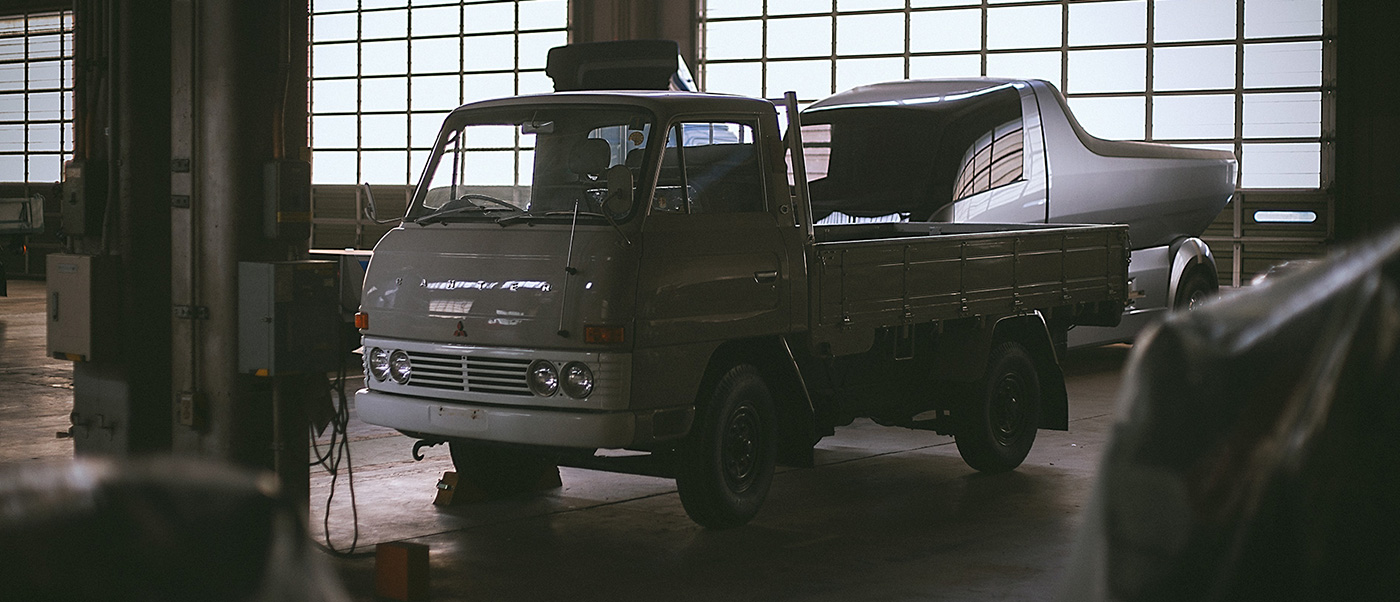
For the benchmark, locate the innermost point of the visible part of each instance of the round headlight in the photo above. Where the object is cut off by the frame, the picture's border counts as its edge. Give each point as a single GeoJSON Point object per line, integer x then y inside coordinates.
{"type": "Point", "coordinates": [543, 378]}
{"type": "Point", "coordinates": [399, 368]}
{"type": "Point", "coordinates": [377, 361]}
{"type": "Point", "coordinates": [578, 380]}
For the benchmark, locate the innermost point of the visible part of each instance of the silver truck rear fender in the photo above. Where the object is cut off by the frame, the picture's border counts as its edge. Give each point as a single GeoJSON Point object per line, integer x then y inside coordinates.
{"type": "Point", "coordinates": [1032, 333]}
{"type": "Point", "coordinates": [1189, 254]}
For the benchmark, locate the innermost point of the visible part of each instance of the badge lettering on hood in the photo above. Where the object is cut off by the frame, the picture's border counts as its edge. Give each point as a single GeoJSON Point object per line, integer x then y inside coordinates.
{"type": "Point", "coordinates": [484, 285]}
{"type": "Point", "coordinates": [461, 330]}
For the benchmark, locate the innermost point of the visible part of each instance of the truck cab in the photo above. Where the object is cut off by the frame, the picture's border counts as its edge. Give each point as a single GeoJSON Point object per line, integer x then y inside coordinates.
{"type": "Point", "coordinates": [557, 236]}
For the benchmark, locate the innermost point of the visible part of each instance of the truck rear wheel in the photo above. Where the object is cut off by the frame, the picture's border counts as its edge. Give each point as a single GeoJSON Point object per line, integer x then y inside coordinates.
{"type": "Point", "coordinates": [726, 463]}
{"type": "Point", "coordinates": [1194, 290]}
{"type": "Point", "coordinates": [1000, 423]}
{"type": "Point", "coordinates": [498, 471]}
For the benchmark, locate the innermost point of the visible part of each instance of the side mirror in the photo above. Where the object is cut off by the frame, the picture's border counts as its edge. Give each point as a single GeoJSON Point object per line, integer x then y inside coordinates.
{"type": "Point", "coordinates": [370, 211]}
{"type": "Point", "coordinates": [620, 186]}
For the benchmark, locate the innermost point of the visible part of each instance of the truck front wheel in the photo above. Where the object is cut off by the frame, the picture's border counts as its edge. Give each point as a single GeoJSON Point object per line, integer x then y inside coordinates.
{"type": "Point", "coordinates": [999, 424]}
{"type": "Point", "coordinates": [726, 464]}
{"type": "Point", "coordinates": [498, 471]}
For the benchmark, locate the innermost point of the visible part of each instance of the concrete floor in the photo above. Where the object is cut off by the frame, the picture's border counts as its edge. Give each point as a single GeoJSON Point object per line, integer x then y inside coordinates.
{"type": "Point", "coordinates": [886, 514]}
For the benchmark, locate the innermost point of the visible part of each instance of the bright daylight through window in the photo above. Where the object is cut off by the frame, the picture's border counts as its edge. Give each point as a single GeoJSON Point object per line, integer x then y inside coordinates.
{"type": "Point", "coordinates": [1239, 75]}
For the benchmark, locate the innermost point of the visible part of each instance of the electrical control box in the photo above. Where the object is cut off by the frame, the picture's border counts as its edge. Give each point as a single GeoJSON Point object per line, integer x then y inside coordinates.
{"type": "Point", "coordinates": [287, 200]}
{"type": "Point", "coordinates": [84, 196]}
{"type": "Point", "coordinates": [353, 263]}
{"type": "Point", "coordinates": [81, 295]}
{"type": "Point", "coordinates": [288, 317]}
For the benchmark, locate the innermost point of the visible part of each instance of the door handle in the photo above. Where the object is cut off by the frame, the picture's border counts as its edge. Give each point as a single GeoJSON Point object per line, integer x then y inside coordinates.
{"type": "Point", "coordinates": [764, 277]}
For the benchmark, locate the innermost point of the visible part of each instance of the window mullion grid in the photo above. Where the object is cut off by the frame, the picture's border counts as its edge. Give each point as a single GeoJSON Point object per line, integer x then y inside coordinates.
{"type": "Point", "coordinates": [1064, 47]}
{"type": "Point", "coordinates": [359, 99]}
{"type": "Point", "coordinates": [982, 50]}
{"type": "Point", "coordinates": [515, 167]}
{"type": "Point", "coordinates": [1148, 51]}
{"type": "Point", "coordinates": [908, 34]}
{"type": "Point", "coordinates": [1329, 124]}
{"type": "Point", "coordinates": [408, 102]}
{"type": "Point", "coordinates": [832, 84]}
{"type": "Point", "coordinates": [24, 151]}
{"type": "Point", "coordinates": [1237, 213]}
{"type": "Point", "coordinates": [763, 60]}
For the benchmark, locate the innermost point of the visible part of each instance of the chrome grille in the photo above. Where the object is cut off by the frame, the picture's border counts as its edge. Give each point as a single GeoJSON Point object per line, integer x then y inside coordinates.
{"type": "Point", "coordinates": [469, 373]}
{"type": "Point", "coordinates": [435, 370]}
{"type": "Point", "coordinates": [497, 375]}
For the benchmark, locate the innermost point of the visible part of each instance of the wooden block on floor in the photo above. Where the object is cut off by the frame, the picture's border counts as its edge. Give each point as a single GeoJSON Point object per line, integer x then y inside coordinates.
{"type": "Point", "coordinates": [446, 489]}
{"type": "Point", "coordinates": [452, 489]}
{"type": "Point", "coordinates": [401, 571]}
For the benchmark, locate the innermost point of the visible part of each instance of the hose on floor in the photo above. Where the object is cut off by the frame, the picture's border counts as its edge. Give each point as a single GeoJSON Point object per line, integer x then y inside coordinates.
{"type": "Point", "coordinates": [337, 451]}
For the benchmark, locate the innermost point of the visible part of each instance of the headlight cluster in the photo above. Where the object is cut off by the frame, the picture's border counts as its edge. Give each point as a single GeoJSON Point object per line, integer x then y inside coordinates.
{"type": "Point", "coordinates": [545, 379]}
{"type": "Point", "coordinates": [383, 364]}
{"type": "Point", "coordinates": [576, 379]}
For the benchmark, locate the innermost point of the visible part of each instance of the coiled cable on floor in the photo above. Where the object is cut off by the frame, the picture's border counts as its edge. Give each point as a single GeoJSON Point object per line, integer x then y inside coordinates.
{"type": "Point", "coordinates": [336, 452]}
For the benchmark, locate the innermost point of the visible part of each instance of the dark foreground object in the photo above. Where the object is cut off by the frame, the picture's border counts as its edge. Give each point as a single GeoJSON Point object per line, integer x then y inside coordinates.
{"type": "Point", "coordinates": [154, 531]}
{"type": "Point", "coordinates": [1254, 455]}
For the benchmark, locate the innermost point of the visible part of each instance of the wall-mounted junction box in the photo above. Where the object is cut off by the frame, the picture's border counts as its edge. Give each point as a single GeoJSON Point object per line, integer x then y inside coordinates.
{"type": "Point", "coordinates": [288, 317]}
{"type": "Point", "coordinates": [287, 200]}
{"type": "Point", "coordinates": [84, 197]}
{"type": "Point", "coordinates": [82, 293]}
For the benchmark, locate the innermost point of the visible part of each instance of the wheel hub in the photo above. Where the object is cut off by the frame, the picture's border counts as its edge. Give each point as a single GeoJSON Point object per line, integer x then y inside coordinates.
{"type": "Point", "coordinates": [1008, 410]}
{"type": "Point", "coordinates": [739, 448]}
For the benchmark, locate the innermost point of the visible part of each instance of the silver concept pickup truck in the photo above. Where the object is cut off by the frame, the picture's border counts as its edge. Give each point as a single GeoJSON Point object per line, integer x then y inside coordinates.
{"type": "Point", "coordinates": [587, 271]}
{"type": "Point", "coordinates": [1007, 150]}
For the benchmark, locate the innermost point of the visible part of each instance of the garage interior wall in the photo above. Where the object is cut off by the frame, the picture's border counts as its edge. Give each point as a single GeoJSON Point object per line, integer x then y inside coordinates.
{"type": "Point", "coordinates": [1262, 83]}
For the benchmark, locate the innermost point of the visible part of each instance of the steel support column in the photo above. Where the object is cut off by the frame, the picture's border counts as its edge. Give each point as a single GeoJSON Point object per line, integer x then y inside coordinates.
{"type": "Point", "coordinates": [237, 65]}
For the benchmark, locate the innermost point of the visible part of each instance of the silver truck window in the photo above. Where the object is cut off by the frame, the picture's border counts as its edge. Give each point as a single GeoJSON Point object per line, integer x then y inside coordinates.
{"type": "Point", "coordinates": [714, 169]}
{"type": "Point", "coordinates": [993, 160]}
{"type": "Point", "coordinates": [543, 161]}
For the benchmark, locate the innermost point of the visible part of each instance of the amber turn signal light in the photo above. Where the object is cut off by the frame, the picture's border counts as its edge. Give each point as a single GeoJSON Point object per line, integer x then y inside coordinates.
{"type": "Point", "coordinates": [361, 320]}
{"type": "Point", "coordinates": [603, 334]}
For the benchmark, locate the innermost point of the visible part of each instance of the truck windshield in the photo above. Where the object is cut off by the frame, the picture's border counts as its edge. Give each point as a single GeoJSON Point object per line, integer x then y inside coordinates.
{"type": "Point", "coordinates": [535, 162]}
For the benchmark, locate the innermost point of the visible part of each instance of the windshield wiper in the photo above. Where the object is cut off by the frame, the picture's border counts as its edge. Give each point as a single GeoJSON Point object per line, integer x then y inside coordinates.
{"type": "Point", "coordinates": [499, 205]}
{"type": "Point", "coordinates": [603, 214]}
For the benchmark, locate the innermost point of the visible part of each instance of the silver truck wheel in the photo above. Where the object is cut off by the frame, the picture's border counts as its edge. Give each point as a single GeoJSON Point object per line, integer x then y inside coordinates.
{"type": "Point", "coordinates": [726, 463]}
{"type": "Point", "coordinates": [999, 428]}
{"type": "Point", "coordinates": [1194, 290]}
{"type": "Point", "coordinates": [498, 471]}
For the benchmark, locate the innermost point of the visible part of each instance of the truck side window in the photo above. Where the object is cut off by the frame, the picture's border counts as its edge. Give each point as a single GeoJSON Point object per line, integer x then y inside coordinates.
{"type": "Point", "coordinates": [714, 169]}
{"type": "Point", "coordinates": [993, 160]}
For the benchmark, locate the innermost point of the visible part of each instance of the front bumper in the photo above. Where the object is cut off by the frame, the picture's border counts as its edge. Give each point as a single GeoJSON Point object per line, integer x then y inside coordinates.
{"type": "Point", "coordinates": [544, 427]}
{"type": "Point", "coordinates": [527, 426]}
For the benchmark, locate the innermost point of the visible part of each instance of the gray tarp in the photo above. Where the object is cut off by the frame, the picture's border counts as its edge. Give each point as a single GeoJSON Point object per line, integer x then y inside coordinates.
{"type": "Point", "coordinates": [1256, 450]}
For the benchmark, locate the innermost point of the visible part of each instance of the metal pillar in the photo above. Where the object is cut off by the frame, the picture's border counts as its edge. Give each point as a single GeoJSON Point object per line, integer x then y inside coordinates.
{"type": "Point", "coordinates": [605, 20]}
{"type": "Point", "coordinates": [239, 94]}
{"type": "Point", "coordinates": [122, 122]}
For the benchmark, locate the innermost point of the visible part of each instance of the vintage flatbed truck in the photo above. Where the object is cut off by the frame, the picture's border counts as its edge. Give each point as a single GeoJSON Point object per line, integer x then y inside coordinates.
{"type": "Point", "coordinates": [634, 270]}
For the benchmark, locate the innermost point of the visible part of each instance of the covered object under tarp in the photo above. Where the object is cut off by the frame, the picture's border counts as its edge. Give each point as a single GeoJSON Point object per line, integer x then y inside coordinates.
{"type": "Point", "coordinates": [1254, 455]}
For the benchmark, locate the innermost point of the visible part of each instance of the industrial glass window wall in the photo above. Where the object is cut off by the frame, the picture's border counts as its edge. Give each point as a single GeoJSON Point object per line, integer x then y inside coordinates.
{"type": "Point", "coordinates": [1241, 75]}
{"type": "Point", "coordinates": [384, 74]}
{"type": "Point", "coordinates": [36, 96]}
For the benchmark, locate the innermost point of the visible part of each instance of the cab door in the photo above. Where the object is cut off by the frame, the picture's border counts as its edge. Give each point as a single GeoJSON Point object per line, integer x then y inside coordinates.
{"type": "Point", "coordinates": [714, 265]}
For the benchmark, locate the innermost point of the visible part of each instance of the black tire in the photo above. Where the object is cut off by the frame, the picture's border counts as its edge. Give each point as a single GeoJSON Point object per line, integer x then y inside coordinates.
{"type": "Point", "coordinates": [498, 471]}
{"type": "Point", "coordinates": [1000, 422]}
{"type": "Point", "coordinates": [726, 463]}
{"type": "Point", "coordinates": [1195, 289]}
